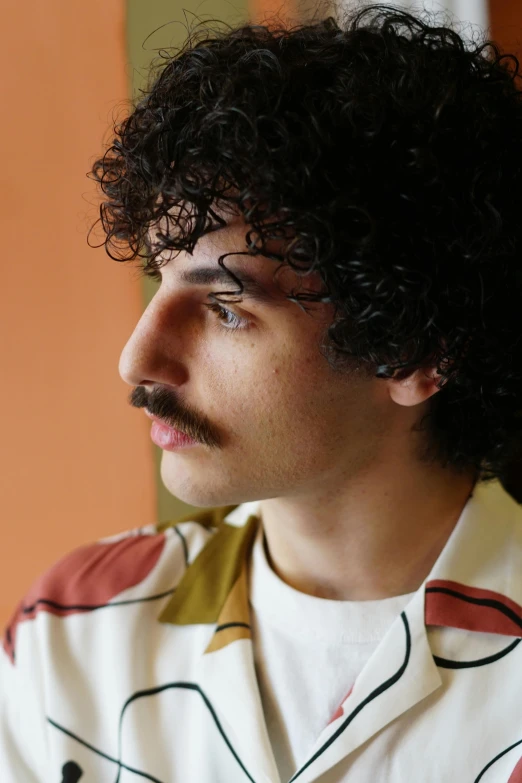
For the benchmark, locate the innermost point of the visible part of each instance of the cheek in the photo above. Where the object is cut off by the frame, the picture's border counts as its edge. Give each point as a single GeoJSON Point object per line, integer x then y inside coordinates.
{"type": "Point", "coordinates": [257, 398]}
{"type": "Point", "coordinates": [291, 393]}
{"type": "Point", "coordinates": [256, 386]}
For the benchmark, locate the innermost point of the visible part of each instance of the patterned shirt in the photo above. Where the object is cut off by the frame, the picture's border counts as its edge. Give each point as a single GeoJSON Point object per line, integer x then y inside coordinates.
{"type": "Point", "coordinates": [131, 659]}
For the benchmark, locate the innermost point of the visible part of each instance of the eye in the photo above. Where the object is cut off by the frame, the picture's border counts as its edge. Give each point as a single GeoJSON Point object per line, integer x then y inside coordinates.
{"type": "Point", "coordinates": [231, 320]}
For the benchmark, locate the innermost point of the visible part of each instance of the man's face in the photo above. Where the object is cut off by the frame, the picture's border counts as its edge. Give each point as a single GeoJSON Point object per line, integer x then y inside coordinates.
{"type": "Point", "coordinates": [275, 420]}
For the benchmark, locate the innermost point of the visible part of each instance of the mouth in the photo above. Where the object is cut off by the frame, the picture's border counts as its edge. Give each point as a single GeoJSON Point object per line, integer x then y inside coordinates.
{"type": "Point", "coordinates": [166, 437]}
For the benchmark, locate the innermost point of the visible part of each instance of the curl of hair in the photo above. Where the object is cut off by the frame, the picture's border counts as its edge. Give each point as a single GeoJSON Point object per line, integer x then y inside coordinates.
{"type": "Point", "coordinates": [387, 149]}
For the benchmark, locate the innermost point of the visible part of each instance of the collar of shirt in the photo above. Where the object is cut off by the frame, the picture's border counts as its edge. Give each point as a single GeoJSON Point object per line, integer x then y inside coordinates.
{"type": "Point", "coordinates": [475, 586]}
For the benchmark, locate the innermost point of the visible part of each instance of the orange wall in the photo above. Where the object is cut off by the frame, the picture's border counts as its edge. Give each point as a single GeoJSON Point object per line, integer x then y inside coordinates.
{"type": "Point", "coordinates": [75, 458]}
{"type": "Point", "coordinates": [261, 10]}
{"type": "Point", "coordinates": [505, 17]}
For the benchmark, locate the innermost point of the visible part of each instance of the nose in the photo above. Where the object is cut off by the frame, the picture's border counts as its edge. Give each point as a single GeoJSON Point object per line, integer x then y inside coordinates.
{"type": "Point", "coordinates": [152, 352]}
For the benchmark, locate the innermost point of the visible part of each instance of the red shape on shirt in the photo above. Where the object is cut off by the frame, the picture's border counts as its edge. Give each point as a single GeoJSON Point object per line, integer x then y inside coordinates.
{"type": "Point", "coordinates": [86, 579]}
{"type": "Point", "coordinates": [339, 711]}
{"type": "Point", "coordinates": [453, 611]}
{"type": "Point", "coordinates": [516, 775]}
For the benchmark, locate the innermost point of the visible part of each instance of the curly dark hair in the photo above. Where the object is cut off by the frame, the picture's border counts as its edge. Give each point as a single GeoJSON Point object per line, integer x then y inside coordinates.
{"type": "Point", "coordinates": [386, 148]}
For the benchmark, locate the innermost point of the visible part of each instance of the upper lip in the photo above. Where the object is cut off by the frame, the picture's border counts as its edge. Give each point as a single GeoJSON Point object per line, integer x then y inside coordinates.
{"type": "Point", "coordinates": [164, 424]}
{"type": "Point", "coordinates": [160, 421]}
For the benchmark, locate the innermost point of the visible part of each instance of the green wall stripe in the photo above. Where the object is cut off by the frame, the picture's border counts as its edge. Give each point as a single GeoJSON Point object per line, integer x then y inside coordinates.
{"type": "Point", "coordinates": [152, 26]}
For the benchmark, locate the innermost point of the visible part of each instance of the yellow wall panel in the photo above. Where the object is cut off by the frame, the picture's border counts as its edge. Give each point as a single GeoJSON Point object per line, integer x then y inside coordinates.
{"type": "Point", "coordinates": [153, 26]}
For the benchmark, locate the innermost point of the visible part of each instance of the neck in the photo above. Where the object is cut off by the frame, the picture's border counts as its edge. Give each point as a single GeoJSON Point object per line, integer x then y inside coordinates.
{"type": "Point", "coordinates": [376, 538]}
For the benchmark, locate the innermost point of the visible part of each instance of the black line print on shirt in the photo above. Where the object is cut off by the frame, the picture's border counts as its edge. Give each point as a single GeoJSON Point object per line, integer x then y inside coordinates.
{"type": "Point", "coordinates": [84, 607]}
{"type": "Point", "coordinates": [93, 607]}
{"type": "Point", "coordinates": [377, 692]}
{"type": "Point", "coordinates": [446, 663]}
{"type": "Point", "coordinates": [184, 544]}
{"type": "Point", "coordinates": [231, 625]}
{"type": "Point", "coordinates": [71, 772]}
{"type": "Point", "coordinates": [490, 764]}
{"type": "Point", "coordinates": [491, 603]}
{"type": "Point", "coordinates": [139, 695]}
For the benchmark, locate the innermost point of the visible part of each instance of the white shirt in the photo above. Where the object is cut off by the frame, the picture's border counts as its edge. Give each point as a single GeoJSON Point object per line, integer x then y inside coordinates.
{"type": "Point", "coordinates": [131, 659]}
{"type": "Point", "coordinates": [308, 653]}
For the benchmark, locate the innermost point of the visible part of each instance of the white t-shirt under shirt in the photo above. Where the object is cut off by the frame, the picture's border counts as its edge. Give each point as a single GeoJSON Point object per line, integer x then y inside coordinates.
{"type": "Point", "coordinates": [308, 652]}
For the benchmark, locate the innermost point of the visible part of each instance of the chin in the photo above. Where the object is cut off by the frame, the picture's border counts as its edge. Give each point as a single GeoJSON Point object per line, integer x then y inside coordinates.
{"type": "Point", "coordinates": [192, 486]}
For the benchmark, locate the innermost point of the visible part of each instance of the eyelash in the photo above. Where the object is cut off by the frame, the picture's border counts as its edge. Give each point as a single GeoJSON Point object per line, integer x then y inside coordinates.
{"type": "Point", "coordinates": [237, 322]}
{"type": "Point", "coordinates": [222, 312]}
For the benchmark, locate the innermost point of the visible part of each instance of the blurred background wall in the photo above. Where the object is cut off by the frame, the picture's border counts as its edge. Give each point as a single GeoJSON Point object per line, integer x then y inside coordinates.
{"type": "Point", "coordinates": [76, 461]}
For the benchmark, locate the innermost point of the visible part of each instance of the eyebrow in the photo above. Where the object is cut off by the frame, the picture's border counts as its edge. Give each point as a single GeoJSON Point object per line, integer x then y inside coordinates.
{"type": "Point", "coordinates": [211, 275]}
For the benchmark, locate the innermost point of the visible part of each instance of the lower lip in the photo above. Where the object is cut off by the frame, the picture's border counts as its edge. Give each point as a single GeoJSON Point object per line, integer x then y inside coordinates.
{"type": "Point", "coordinates": [169, 439]}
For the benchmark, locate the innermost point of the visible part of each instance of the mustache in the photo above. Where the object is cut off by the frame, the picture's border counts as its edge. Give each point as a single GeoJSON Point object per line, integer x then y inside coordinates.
{"type": "Point", "coordinates": [162, 403]}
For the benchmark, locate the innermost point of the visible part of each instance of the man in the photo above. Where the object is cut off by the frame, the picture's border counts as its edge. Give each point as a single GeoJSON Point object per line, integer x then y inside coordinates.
{"type": "Point", "coordinates": [332, 368]}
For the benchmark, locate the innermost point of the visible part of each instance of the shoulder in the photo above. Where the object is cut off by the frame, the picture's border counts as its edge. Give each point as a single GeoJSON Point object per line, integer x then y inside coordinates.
{"type": "Point", "coordinates": [134, 565]}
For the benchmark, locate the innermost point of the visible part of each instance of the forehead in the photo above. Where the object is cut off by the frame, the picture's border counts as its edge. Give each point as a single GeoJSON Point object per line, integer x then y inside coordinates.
{"type": "Point", "coordinates": [230, 242]}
